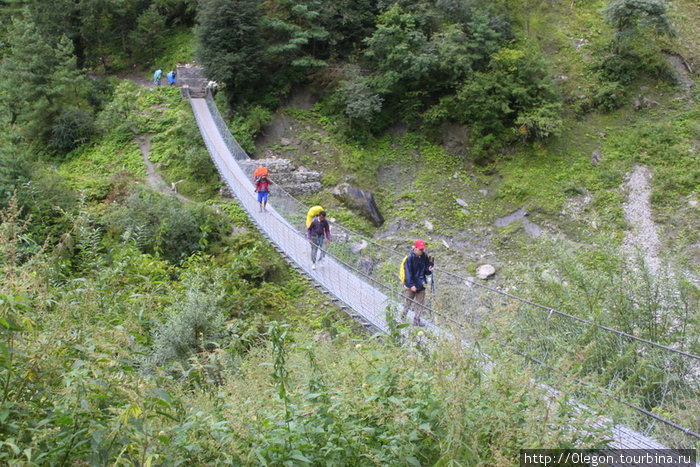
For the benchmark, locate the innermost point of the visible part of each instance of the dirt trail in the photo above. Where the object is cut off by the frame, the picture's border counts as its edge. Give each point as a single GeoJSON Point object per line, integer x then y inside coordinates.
{"type": "Point", "coordinates": [154, 179]}
{"type": "Point", "coordinates": [642, 236]}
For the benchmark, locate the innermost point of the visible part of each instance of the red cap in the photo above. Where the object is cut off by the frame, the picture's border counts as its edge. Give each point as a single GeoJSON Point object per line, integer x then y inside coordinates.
{"type": "Point", "coordinates": [420, 244]}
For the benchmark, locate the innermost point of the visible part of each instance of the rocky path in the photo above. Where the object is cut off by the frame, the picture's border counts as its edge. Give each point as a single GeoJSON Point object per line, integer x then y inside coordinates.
{"type": "Point", "coordinates": [642, 237]}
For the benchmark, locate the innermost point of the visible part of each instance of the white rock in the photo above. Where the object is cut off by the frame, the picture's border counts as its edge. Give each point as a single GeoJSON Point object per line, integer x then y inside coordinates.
{"type": "Point", "coordinates": [485, 271]}
{"type": "Point", "coordinates": [358, 247]}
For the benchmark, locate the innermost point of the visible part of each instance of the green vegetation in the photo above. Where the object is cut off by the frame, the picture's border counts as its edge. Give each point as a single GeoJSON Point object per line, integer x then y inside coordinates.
{"type": "Point", "coordinates": [595, 285]}
{"type": "Point", "coordinates": [139, 328]}
{"type": "Point", "coordinates": [113, 355]}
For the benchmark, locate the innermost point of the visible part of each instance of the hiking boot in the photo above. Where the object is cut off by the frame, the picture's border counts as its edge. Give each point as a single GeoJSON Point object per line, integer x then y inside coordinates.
{"type": "Point", "coordinates": [313, 266]}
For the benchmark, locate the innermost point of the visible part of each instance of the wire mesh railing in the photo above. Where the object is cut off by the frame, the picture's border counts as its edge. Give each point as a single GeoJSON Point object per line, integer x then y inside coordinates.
{"type": "Point", "coordinates": [650, 387]}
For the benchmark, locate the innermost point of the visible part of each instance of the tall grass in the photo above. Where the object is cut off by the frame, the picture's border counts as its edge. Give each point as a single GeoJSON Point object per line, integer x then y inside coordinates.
{"type": "Point", "coordinates": [75, 389]}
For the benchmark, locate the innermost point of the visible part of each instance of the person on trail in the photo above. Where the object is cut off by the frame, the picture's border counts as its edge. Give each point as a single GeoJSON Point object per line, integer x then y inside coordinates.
{"type": "Point", "coordinates": [157, 76]}
{"type": "Point", "coordinates": [171, 77]}
{"type": "Point", "coordinates": [262, 187]}
{"type": "Point", "coordinates": [318, 228]}
{"type": "Point", "coordinates": [213, 86]}
{"type": "Point", "coordinates": [416, 267]}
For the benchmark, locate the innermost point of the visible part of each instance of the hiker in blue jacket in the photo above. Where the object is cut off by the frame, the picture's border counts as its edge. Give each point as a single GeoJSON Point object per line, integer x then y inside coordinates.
{"type": "Point", "coordinates": [416, 267]}
{"type": "Point", "coordinates": [171, 77]}
{"type": "Point", "coordinates": [157, 76]}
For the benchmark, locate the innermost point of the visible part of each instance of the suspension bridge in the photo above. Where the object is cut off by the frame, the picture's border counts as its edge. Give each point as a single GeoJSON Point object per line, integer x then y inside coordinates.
{"type": "Point", "coordinates": [360, 275]}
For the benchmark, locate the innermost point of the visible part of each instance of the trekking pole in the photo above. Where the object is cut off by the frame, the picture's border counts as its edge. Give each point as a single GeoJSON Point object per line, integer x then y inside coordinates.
{"type": "Point", "coordinates": [431, 261]}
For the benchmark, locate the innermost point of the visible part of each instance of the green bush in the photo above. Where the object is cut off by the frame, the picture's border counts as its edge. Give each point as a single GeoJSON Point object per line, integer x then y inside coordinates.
{"type": "Point", "coordinates": [71, 129]}
{"type": "Point", "coordinates": [609, 96]}
{"type": "Point", "coordinates": [49, 202]}
{"type": "Point", "coordinates": [616, 68]}
{"type": "Point", "coordinates": [594, 284]}
{"type": "Point", "coordinates": [100, 91]}
{"type": "Point", "coordinates": [247, 127]}
{"type": "Point", "coordinates": [194, 322]}
{"type": "Point", "coordinates": [163, 225]}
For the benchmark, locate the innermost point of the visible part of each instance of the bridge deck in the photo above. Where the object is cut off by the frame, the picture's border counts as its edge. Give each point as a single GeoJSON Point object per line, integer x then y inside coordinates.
{"type": "Point", "coordinates": [365, 300]}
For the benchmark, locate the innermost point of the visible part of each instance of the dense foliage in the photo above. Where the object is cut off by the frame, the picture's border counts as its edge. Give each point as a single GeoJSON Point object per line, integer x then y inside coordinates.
{"type": "Point", "coordinates": [417, 57]}
{"type": "Point", "coordinates": [108, 35]}
{"type": "Point", "coordinates": [126, 359]}
{"type": "Point", "coordinates": [137, 328]}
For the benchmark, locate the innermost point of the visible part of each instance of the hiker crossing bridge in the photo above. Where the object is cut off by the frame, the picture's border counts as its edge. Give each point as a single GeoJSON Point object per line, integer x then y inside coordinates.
{"type": "Point", "coordinates": [360, 275]}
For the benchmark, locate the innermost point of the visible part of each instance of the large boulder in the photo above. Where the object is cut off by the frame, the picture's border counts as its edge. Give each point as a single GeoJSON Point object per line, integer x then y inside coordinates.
{"type": "Point", "coordinates": [360, 201]}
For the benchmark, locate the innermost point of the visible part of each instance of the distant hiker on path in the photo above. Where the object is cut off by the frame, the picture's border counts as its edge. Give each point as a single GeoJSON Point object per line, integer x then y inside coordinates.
{"type": "Point", "coordinates": [171, 77]}
{"type": "Point", "coordinates": [415, 267]}
{"type": "Point", "coordinates": [318, 228]}
{"type": "Point", "coordinates": [157, 77]}
{"type": "Point", "coordinates": [262, 187]}
{"type": "Point", "coordinates": [214, 87]}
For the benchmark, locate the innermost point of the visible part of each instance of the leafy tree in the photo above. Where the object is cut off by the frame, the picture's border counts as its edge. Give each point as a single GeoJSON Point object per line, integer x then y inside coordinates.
{"type": "Point", "coordinates": [127, 17]}
{"type": "Point", "coordinates": [39, 80]}
{"type": "Point", "coordinates": [400, 52]}
{"type": "Point", "coordinates": [453, 48]}
{"type": "Point", "coordinates": [106, 29]}
{"type": "Point", "coordinates": [428, 18]}
{"type": "Point", "coordinates": [229, 45]}
{"type": "Point", "coordinates": [146, 39]}
{"type": "Point", "coordinates": [484, 102]}
{"type": "Point", "coordinates": [178, 11]}
{"type": "Point", "coordinates": [514, 90]}
{"type": "Point", "coordinates": [53, 18]}
{"type": "Point", "coordinates": [347, 23]}
{"type": "Point", "coordinates": [631, 17]}
{"type": "Point", "coordinates": [361, 102]}
{"type": "Point", "coordinates": [467, 44]}
{"type": "Point", "coordinates": [294, 33]}
{"type": "Point", "coordinates": [99, 30]}
{"type": "Point", "coordinates": [487, 34]}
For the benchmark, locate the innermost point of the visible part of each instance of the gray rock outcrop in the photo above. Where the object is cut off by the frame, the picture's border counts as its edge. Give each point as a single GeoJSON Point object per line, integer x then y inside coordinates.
{"type": "Point", "coordinates": [359, 201]}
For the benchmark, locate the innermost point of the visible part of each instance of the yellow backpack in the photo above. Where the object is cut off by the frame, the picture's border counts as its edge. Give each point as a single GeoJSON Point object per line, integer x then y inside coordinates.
{"type": "Point", "coordinates": [313, 212]}
{"type": "Point", "coordinates": [402, 270]}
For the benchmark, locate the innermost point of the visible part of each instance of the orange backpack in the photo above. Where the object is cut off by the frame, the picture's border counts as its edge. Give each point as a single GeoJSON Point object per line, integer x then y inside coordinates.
{"type": "Point", "coordinates": [259, 172]}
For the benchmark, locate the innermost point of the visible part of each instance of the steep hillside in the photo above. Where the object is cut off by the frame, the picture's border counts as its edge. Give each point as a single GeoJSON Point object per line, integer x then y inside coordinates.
{"type": "Point", "coordinates": [557, 141]}
{"type": "Point", "coordinates": [582, 186]}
